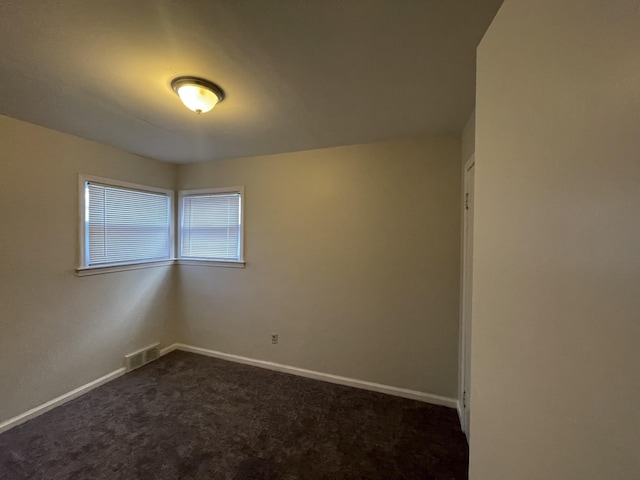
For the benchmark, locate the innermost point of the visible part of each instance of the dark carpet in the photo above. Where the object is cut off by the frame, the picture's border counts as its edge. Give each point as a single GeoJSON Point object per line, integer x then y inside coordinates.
{"type": "Point", "coordinates": [187, 417]}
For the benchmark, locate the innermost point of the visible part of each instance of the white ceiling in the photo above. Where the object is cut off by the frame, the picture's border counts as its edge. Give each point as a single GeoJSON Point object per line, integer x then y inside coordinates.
{"type": "Point", "coordinates": [298, 74]}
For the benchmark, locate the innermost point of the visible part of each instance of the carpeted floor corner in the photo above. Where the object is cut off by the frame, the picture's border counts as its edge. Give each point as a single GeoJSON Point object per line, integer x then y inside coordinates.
{"type": "Point", "coordinates": [190, 417]}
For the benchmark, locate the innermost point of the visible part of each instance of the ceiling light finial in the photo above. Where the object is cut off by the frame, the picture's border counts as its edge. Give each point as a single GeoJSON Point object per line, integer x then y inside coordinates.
{"type": "Point", "coordinates": [198, 94]}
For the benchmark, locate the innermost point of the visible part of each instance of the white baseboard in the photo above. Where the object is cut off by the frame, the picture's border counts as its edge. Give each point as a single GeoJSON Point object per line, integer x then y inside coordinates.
{"type": "Point", "coordinates": [169, 349]}
{"type": "Point", "coordinates": [326, 377]}
{"type": "Point", "coordinates": [62, 399]}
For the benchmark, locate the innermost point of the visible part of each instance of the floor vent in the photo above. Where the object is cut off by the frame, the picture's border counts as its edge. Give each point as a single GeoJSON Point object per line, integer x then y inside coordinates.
{"type": "Point", "coordinates": [151, 354]}
{"type": "Point", "coordinates": [141, 357]}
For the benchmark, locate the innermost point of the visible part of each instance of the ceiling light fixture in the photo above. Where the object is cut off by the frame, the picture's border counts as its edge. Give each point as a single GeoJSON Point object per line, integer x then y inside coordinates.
{"type": "Point", "coordinates": [197, 94]}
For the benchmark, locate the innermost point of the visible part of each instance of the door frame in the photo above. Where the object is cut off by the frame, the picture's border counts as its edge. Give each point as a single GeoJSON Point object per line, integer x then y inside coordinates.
{"type": "Point", "coordinates": [465, 315]}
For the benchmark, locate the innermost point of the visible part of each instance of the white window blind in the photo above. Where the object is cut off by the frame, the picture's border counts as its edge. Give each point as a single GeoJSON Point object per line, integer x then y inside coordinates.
{"type": "Point", "coordinates": [125, 225]}
{"type": "Point", "coordinates": [211, 226]}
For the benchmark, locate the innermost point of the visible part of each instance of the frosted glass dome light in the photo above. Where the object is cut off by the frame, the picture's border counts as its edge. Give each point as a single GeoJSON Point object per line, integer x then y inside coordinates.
{"type": "Point", "coordinates": [198, 94]}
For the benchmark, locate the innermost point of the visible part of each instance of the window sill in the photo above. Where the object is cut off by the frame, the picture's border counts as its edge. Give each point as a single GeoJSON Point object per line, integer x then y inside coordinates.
{"type": "Point", "coordinates": [212, 263]}
{"type": "Point", "coordinates": [86, 271]}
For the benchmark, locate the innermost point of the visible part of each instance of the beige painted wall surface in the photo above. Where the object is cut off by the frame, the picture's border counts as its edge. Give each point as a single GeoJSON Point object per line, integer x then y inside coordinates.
{"type": "Point", "coordinates": [468, 139]}
{"type": "Point", "coordinates": [59, 331]}
{"type": "Point", "coordinates": [352, 258]}
{"type": "Point", "coordinates": [556, 326]}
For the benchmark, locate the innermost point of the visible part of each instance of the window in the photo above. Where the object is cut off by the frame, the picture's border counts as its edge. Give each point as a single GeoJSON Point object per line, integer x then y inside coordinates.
{"type": "Point", "coordinates": [211, 225]}
{"type": "Point", "coordinates": [123, 223]}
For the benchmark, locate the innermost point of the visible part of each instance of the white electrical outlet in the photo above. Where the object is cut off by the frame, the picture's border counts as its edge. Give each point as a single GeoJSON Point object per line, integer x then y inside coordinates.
{"type": "Point", "coordinates": [274, 338]}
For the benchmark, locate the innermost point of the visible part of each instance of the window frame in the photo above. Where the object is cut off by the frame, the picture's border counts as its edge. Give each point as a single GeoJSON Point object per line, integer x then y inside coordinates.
{"type": "Point", "coordinates": [240, 263]}
{"type": "Point", "coordinates": [84, 268]}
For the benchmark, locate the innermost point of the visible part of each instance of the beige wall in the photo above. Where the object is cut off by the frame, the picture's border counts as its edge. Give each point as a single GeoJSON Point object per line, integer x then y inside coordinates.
{"type": "Point", "coordinates": [59, 331]}
{"type": "Point", "coordinates": [468, 140]}
{"type": "Point", "coordinates": [352, 258]}
{"type": "Point", "coordinates": [556, 325]}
